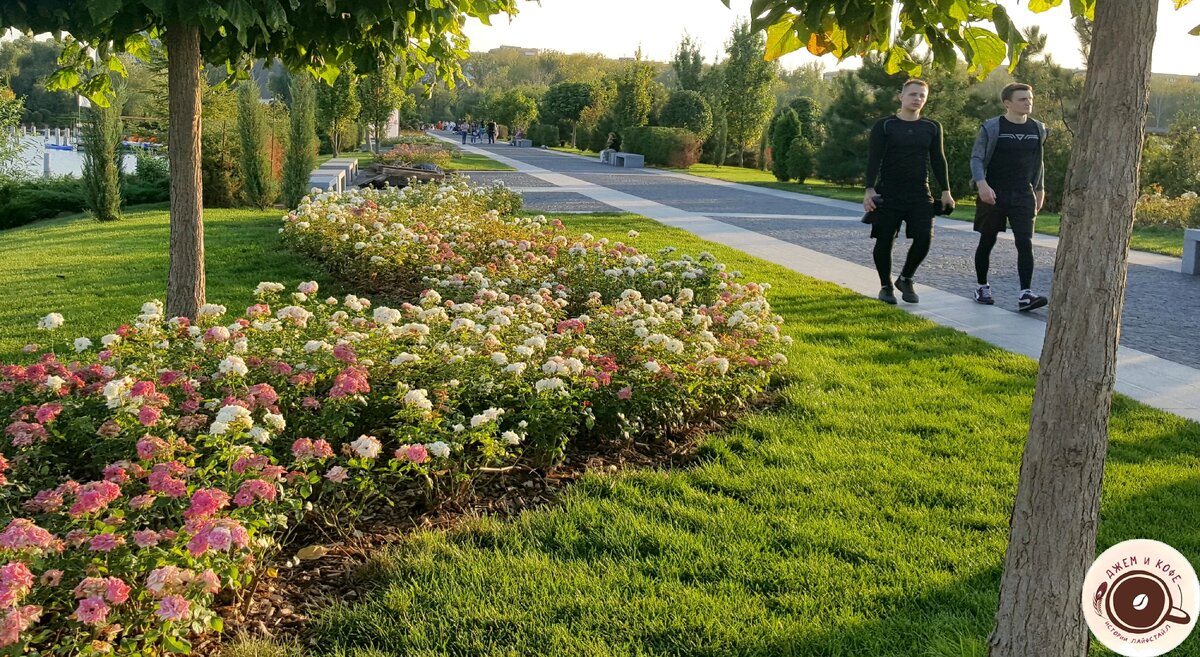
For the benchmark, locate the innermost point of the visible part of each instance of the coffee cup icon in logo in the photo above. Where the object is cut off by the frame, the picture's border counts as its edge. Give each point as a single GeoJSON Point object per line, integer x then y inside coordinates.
{"type": "Point", "coordinates": [1139, 602]}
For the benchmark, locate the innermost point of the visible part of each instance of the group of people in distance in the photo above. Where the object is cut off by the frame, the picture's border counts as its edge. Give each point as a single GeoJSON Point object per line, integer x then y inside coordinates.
{"type": "Point", "coordinates": [1006, 169]}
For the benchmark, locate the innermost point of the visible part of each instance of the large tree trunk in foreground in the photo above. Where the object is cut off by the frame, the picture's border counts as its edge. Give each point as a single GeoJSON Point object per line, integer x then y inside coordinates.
{"type": "Point", "coordinates": [1052, 538]}
{"type": "Point", "coordinates": [185, 280]}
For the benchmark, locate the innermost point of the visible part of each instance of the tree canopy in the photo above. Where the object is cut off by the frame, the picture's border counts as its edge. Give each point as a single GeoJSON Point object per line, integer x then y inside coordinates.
{"type": "Point", "coordinates": [320, 35]}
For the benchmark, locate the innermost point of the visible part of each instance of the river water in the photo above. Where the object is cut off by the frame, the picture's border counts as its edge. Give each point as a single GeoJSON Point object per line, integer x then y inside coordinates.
{"type": "Point", "coordinates": [30, 159]}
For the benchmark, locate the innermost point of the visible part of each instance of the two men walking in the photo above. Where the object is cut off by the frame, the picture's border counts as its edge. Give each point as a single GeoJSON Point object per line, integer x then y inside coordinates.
{"type": "Point", "coordinates": [1006, 166]}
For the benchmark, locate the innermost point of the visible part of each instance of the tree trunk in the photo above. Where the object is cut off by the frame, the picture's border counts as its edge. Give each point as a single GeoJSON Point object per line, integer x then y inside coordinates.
{"type": "Point", "coordinates": [185, 280]}
{"type": "Point", "coordinates": [1052, 536]}
{"type": "Point", "coordinates": [334, 141]}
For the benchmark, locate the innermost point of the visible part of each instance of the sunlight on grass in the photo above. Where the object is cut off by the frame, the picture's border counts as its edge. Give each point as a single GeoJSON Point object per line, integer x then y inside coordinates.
{"type": "Point", "coordinates": [98, 275]}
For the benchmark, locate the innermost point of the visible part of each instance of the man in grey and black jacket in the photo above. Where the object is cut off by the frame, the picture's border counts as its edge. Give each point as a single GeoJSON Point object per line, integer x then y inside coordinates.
{"type": "Point", "coordinates": [1007, 168]}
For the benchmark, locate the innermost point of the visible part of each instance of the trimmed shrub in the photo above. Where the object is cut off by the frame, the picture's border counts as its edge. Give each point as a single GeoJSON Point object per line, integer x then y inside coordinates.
{"type": "Point", "coordinates": [544, 135]}
{"type": "Point", "coordinates": [784, 130]}
{"type": "Point", "coordinates": [218, 163]}
{"type": "Point", "coordinates": [102, 161]}
{"type": "Point", "coordinates": [1156, 209]}
{"type": "Point", "coordinates": [688, 110]}
{"type": "Point", "coordinates": [409, 154]}
{"type": "Point", "coordinates": [301, 156]}
{"type": "Point", "coordinates": [673, 147]}
{"type": "Point", "coordinates": [254, 165]}
{"type": "Point", "coordinates": [150, 181]}
{"type": "Point", "coordinates": [26, 201]}
{"type": "Point", "coordinates": [801, 158]}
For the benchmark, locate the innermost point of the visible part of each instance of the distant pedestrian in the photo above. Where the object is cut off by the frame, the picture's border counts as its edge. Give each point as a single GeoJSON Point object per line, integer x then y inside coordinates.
{"type": "Point", "coordinates": [466, 127]}
{"type": "Point", "coordinates": [491, 132]}
{"type": "Point", "coordinates": [903, 148]}
{"type": "Point", "coordinates": [1007, 168]}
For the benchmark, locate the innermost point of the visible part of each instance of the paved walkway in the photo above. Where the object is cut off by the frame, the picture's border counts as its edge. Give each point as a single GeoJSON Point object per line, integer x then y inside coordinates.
{"type": "Point", "coordinates": [1158, 362]}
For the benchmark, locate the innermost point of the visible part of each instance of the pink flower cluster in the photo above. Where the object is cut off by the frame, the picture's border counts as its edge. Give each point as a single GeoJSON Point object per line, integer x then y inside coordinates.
{"type": "Point", "coordinates": [220, 534]}
{"type": "Point", "coordinates": [23, 534]}
{"type": "Point", "coordinates": [305, 449]}
{"type": "Point", "coordinates": [95, 594]}
{"type": "Point", "coordinates": [94, 497]}
{"type": "Point", "coordinates": [350, 381]}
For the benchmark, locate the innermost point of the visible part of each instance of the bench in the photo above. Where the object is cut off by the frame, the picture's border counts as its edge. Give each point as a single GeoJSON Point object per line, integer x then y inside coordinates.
{"type": "Point", "coordinates": [626, 160]}
{"type": "Point", "coordinates": [325, 182]}
{"type": "Point", "coordinates": [349, 162]}
{"type": "Point", "coordinates": [528, 143]}
{"type": "Point", "coordinates": [1191, 252]}
{"type": "Point", "coordinates": [343, 169]}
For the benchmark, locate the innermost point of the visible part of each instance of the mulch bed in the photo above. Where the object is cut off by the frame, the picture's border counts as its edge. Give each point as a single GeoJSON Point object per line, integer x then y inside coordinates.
{"type": "Point", "coordinates": [280, 606]}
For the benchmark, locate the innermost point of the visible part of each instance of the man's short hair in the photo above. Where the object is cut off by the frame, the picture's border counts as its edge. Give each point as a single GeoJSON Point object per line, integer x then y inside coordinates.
{"type": "Point", "coordinates": [1013, 88]}
{"type": "Point", "coordinates": [914, 81]}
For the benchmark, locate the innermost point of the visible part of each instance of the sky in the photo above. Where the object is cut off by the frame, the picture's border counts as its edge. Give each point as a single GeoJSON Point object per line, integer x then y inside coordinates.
{"type": "Point", "coordinates": [617, 28]}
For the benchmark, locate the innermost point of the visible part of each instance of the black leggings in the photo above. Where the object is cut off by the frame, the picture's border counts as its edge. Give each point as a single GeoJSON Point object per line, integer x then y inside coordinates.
{"type": "Point", "coordinates": [883, 256]}
{"type": "Point", "coordinates": [983, 255]}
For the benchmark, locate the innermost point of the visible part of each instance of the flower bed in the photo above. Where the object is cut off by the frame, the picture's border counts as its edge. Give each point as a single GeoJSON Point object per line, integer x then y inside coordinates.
{"type": "Point", "coordinates": [159, 467]}
{"type": "Point", "coordinates": [420, 153]}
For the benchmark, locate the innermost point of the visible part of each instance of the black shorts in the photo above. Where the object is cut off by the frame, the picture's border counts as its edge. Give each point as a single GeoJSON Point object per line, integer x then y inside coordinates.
{"type": "Point", "coordinates": [1013, 209]}
{"type": "Point", "coordinates": [917, 218]}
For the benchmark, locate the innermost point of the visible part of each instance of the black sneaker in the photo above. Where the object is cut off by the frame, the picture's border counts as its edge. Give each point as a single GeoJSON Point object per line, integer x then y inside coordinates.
{"type": "Point", "coordinates": [983, 294]}
{"type": "Point", "coordinates": [886, 295]}
{"type": "Point", "coordinates": [906, 290]}
{"type": "Point", "coordinates": [1030, 301]}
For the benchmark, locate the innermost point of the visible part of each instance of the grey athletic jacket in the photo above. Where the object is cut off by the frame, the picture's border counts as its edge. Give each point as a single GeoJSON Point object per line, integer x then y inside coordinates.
{"type": "Point", "coordinates": [985, 145]}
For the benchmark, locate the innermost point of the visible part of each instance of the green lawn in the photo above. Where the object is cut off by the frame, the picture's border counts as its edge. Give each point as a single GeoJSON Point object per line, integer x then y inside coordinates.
{"type": "Point", "coordinates": [865, 514]}
{"type": "Point", "coordinates": [473, 162]}
{"type": "Point", "coordinates": [1167, 241]}
{"type": "Point", "coordinates": [98, 275]}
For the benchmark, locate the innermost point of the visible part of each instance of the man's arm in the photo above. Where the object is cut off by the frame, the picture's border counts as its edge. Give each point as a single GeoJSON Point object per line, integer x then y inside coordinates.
{"type": "Point", "coordinates": [875, 147]}
{"type": "Point", "coordinates": [979, 169]}
{"type": "Point", "coordinates": [937, 160]}
{"type": "Point", "coordinates": [1039, 178]}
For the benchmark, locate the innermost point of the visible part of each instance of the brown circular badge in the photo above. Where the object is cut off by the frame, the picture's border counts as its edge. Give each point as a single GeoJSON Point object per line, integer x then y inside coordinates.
{"type": "Point", "coordinates": [1140, 598]}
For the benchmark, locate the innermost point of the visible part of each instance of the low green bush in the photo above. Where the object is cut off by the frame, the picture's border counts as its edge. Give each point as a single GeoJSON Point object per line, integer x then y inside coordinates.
{"type": "Point", "coordinates": [23, 201]}
{"type": "Point", "coordinates": [544, 135]}
{"type": "Point", "coordinates": [673, 147]}
{"type": "Point", "coordinates": [1156, 209]}
{"type": "Point", "coordinates": [149, 183]}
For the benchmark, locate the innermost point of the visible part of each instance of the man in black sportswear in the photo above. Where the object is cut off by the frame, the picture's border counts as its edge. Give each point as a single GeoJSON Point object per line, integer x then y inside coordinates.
{"type": "Point", "coordinates": [903, 148]}
{"type": "Point", "coordinates": [1006, 166]}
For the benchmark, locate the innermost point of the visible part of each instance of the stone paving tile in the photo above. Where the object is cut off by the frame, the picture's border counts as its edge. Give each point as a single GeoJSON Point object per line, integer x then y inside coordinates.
{"type": "Point", "coordinates": [564, 202]}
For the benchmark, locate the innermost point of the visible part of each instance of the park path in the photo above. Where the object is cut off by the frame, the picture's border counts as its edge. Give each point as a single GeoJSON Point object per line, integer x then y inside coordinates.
{"type": "Point", "coordinates": [1159, 358]}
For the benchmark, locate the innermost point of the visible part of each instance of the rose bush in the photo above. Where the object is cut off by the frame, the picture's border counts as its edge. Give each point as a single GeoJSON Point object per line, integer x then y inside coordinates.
{"type": "Point", "coordinates": [144, 471]}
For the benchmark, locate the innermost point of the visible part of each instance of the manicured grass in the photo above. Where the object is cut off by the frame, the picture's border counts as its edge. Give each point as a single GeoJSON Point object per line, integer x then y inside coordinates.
{"type": "Point", "coordinates": [1167, 241]}
{"type": "Point", "coordinates": [474, 162]}
{"type": "Point", "coordinates": [576, 151]}
{"type": "Point", "coordinates": [98, 275]}
{"type": "Point", "coordinates": [865, 514]}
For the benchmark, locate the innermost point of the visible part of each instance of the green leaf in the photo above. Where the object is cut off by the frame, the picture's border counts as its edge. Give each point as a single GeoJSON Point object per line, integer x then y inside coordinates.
{"type": "Point", "coordinates": [241, 14]}
{"type": "Point", "coordinates": [176, 645]}
{"type": "Point", "coordinates": [987, 50]}
{"type": "Point", "coordinates": [1038, 6]}
{"type": "Point", "coordinates": [63, 79]}
{"type": "Point", "coordinates": [782, 39]}
{"type": "Point", "coordinates": [139, 46]}
{"type": "Point", "coordinates": [102, 10]}
{"type": "Point", "coordinates": [117, 66]}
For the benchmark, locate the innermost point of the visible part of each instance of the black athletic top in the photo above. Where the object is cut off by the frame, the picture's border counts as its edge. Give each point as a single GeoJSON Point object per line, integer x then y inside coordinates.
{"type": "Point", "coordinates": [901, 153]}
{"type": "Point", "coordinates": [1017, 158]}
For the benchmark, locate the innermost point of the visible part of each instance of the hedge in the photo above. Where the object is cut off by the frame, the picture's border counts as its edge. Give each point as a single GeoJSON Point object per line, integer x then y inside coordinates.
{"type": "Point", "coordinates": [673, 147]}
